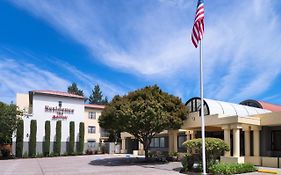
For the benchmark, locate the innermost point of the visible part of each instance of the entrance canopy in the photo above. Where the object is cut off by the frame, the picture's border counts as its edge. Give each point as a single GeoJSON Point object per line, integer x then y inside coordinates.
{"type": "Point", "coordinates": [212, 107]}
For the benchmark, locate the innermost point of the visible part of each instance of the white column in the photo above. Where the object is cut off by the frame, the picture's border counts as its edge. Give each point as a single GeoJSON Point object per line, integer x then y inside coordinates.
{"type": "Point", "coordinates": [247, 140]}
{"type": "Point", "coordinates": [256, 140]}
{"type": "Point", "coordinates": [236, 142]}
{"type": "Point", "coordinates": [141, 150]}
{"type": "Point", "coordinates": [173, 141]}
{"type": "Point", "coordinates": [123, 145]}
{"type": "Point", "coordinates": [187, 136]}
{"type": "Point", "coordinates": [226, 135]}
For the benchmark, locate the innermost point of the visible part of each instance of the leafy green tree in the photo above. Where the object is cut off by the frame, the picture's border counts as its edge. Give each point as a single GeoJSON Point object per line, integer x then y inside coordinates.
{"type": "Point", "coordinates": [144, 113]}
{"type": "Point", "coordinates": [73, 89]}
{"type": "Point", "coordinates": [81, 138]}
{"type": "Point", "coordinates": [46, 145]}
{"type": "Point", "coordinates": [71, 137]}
{"type": "Point", "coordinates": [8, 122]}
{"type": "Point", "coordinates": [19, 139]}
{"type": "Point", "coordinates": [58, 138]}
{"type": "Point", "coordinates": [96, 97]}
{"type": "Point", "coordinates": [32, 139]}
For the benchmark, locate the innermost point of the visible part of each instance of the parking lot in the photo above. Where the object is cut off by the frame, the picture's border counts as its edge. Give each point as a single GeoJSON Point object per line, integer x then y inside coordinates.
{"type": "Point", "coordinates": [92, 164]}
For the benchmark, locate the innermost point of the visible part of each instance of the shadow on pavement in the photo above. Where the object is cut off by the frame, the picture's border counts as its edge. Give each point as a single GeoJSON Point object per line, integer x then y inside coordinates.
{"type": "Point", "coordinates": [124, 161]}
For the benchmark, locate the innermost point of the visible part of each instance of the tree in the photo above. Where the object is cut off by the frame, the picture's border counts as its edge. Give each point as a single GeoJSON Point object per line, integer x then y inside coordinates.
{"type": "Point", "coordinates": [73, 89]}
{"type": "Point", "coordinates": [71, 137]}
{"type": "Point", "coordinates": [32, 139]}
{"type": "Point", "coordinates": [144, 113]}
{"type": "Point", "coordinates": [19, 139]}
{"type": "Point", "coordinates": [8, 122]}
{"type": "Point", "coordinates": [81, 138]}
{"type": "Point", "coordinates": [58, 138]}
{"type": "Point", "coordinates": [96, 97]}
{"type": "Point", "coordinates": [46, 145]}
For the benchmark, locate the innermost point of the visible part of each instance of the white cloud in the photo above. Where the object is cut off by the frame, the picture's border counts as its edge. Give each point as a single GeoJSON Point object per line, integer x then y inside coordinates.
{"type": "Point", "coordinates": [241, 46]}
{"type": "Point", "coordinates": [87, 82]}
{"type": "Point", "coordinates": [19, 77]}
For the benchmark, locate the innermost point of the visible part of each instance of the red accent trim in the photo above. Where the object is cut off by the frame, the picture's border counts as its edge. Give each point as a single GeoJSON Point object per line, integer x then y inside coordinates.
{"type": "Point", "coordinates": [94, 106]}
{"type": "Point", "coordinates": [269, 106]}
{"type": "Point", "coordinates": [58, 93]}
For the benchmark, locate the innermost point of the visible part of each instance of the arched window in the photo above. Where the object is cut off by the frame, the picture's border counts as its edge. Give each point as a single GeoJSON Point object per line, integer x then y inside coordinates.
{"type": "Point", "coordinates": [194, 105]}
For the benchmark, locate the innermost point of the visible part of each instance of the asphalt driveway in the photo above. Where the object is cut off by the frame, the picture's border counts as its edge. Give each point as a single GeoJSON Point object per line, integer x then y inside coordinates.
{"type": "Point", "coordinates": [92, 164]}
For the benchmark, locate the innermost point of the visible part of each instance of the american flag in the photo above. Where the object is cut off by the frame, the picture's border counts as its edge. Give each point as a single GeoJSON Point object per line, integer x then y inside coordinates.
{"type": "Point", "coordinates": [198, 27]}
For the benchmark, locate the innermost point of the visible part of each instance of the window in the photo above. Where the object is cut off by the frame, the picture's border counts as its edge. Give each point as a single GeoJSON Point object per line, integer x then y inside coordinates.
{"type": "Point", "coordinates": [91, 143]}
{"type": "Point", "coordinates": [91, 129]}
{"type": "Point", "coordinates": [276, 140]}
{"type": "Point", "coordinates": [92, 115]}
{"type": "Point", "coordinates": [181, 139]}
{"type": "Point", "coordinates": [194, 105]}
{"type": "Point", "coordinates": [157, 142]}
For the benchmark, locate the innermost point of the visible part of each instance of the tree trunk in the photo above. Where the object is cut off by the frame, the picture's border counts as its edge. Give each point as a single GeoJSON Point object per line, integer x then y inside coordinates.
{"type": "Point", "coordinates": [146, 153]}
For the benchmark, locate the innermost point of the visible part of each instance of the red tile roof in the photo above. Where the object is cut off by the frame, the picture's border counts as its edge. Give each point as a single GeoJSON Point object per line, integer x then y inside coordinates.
{"type": "Point", "coordinates": [94, 106]}
{"type": "Point", "coordinates": [58, 93]}
{"type": "Point", "coordinates": [269, 106]}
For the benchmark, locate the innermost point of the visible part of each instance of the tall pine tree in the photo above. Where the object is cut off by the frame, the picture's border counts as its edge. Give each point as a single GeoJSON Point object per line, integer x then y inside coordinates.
{"type": "Point", "coordinates": [73, 89]}
{"type": "Point", "coordinates": [96, 97]}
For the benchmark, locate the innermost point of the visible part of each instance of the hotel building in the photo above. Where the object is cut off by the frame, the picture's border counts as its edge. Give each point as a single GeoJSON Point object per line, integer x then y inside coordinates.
{"type": "Point", "coordinates": [252, 129]}
{"type": "Point", "coordinates": [43, 105]}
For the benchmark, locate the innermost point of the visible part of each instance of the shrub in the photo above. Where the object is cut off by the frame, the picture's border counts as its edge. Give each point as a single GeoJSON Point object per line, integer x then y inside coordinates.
{"type": "Point", "coordinates": [214, 148]}
{"type": "Point", "coordinates": [233, 168]}
{"type": "Point", "coordinates": [32, 139]}
{"type": "Point", "coordinates": [57, 147]}
{"type": "Point", "coordinates": [19, 139]}
{"type": "Point", "coordinates": [187, 162]}
{"type": "Point", "coordinates": [81, 138]}
{"type": "Point", "coordinates": [89, 152]}
{"type": "Point", "coordinates": [46, 145]}
{"type": "Point", "coordinates": [71, 138]}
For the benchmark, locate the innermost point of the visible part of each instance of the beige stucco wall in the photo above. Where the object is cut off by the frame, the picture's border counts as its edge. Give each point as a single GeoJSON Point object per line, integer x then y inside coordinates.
{"type": "Point", "coordinates": [229, 159]}
{"type": "Point", "coordinates": [255, 160]}
{"type": "Point", "coordinates": [92, 122]}
{"type": "Point", "coordinates": [270, 162]}
{"type": "Point", "coordinates": [22, 101]}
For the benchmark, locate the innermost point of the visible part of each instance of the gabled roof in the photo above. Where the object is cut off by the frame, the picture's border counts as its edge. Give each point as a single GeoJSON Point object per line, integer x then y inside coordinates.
{"type": "Point", "coordinates": [57, 93]}
{"type": "Point", "coordinates": [94, 106]}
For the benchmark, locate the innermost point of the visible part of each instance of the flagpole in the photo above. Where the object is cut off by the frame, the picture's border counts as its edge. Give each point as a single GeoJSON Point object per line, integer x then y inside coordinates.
{"type": "Point", "coordinates": [202, 109]}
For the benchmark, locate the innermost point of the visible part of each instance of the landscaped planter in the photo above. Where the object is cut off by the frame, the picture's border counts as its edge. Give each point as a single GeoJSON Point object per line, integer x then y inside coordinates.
{"type": "Point", "coordinates": [6, 150]}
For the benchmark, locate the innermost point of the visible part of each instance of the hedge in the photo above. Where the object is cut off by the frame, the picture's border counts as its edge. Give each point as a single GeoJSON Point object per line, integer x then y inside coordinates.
{"type": "Point", "coordinates": [57, 148]}
{"type": "Point", "coordinates": [19, 139]}
{"type": "Point", "coordinates": [81, 138]}
{"type": "Point", "coordinates": [32, 139]}
{"type": "Point", "coordinates": [232, 168]}
{"type": "Point", "coordinates": [71, 138]}
{"type": "Point", "coordinates": [46, 145]}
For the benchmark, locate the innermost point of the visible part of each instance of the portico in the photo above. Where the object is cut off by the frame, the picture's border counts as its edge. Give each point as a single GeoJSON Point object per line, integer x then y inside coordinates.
{"type": "Point", "coordinates": [253, 132]}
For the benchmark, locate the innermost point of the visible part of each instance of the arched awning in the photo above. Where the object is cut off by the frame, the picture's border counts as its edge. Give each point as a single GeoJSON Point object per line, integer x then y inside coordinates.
{"type": "Point", "coordinates": [219, 107]}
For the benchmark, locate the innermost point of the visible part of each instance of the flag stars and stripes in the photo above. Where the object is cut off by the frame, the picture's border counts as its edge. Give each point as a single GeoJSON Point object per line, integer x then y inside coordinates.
{"type": "Point", "coordinates": [198, 27]}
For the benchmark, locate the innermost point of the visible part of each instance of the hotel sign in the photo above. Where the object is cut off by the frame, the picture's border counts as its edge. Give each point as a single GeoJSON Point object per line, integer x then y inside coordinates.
{"type": "Point", "coordinates": [60, 113]}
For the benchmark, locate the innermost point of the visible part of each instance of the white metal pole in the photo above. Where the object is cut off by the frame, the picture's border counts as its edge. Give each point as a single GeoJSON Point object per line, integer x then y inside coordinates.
{"type": "Point", "coordinates": [202, 110]}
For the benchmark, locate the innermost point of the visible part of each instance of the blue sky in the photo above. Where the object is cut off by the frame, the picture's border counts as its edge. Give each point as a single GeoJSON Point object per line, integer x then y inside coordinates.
{"type": "Point", "coordinates": [124, 45]}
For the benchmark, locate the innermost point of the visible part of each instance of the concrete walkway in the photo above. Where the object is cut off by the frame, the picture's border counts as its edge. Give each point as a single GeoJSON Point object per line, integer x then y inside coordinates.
{"type": "Point", "coordinates": [92, 164]}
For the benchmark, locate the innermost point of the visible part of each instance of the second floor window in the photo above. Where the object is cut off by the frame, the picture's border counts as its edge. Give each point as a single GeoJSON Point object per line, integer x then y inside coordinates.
{"type": "Point", "coordinates": [92, 115]}
{"type": "Point", "coordinates": [91, 129]}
